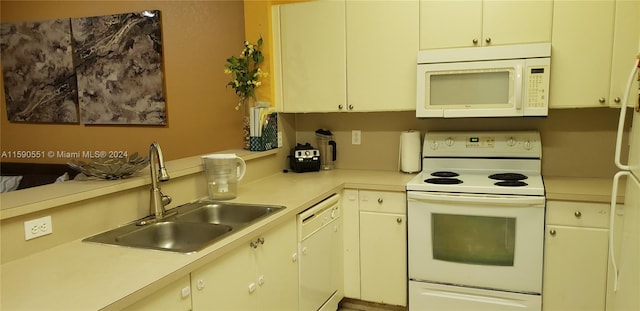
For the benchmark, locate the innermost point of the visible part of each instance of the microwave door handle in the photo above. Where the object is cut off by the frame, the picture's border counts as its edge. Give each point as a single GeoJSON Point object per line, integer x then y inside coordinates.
{"type": "Point", "coordinates": [477, 199]}
{"type": "Point", "coordinates": [519, 81]}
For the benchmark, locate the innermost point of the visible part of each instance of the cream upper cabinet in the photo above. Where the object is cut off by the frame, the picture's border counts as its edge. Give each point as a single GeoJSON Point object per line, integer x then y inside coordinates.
{"type": "Point", "coordinates": [593, 47]}
{"type": "Point", "coordinates": [382, 45]}
{"type": "Point", "coordinates": [337, 56]}
{"type": "Point", "coordinates": [625, 50]}
{"type": "Point", "coordinates": [312, 56]}
{"type": "Point", "coordinates": [450, 24]}
{"type": "Point", "coordinates": [261, 275]}
{"type": "Point", "coordinates": [575, 256]}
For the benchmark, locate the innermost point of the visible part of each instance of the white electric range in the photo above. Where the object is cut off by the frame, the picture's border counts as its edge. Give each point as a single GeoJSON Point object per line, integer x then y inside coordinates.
{"type": "Point", "coordinates": [476, 222]}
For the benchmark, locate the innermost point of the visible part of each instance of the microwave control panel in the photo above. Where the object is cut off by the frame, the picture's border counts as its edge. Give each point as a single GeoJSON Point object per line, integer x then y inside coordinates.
{"type": "Point", "coordinates": [536, 86]}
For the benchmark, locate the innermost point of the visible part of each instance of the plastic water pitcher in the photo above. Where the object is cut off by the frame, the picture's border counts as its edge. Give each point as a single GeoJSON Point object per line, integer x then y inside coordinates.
{"type": "Point", "coordinates": [223, 172]}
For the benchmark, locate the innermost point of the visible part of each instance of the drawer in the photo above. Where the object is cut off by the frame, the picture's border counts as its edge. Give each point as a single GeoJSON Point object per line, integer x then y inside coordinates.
{"type": "Point", "coordinates": [579, 214]}
{"type": "Point", "coordinates": [383, 201]}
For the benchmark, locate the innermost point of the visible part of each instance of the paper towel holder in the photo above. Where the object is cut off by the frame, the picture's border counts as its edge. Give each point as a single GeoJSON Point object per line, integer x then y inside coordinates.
{"type": "Point", "coordinates": [410, 152]}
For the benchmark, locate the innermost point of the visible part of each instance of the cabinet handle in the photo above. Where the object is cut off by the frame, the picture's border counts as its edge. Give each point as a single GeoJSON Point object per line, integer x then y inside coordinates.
{"type": "Point", "coordinates": [350, 107]}
{"type": "Point", "coordinates": [487, 40]}
{"type": "Point", "coordinates": [602, 100]}
{"type": "Point", "coordinates": [257, 242]}
{"type": "Point", "coordinates": [380, 200]}
{"type": "Point", "coordinates": [340, 107]}
{"type": "Point", "coordinates": [552, 232]}
{"type": "Point", "coordinates": [200, 284]}
{"type": "Point", "coordinates": [475, 41]}
{"type": "Point", "coordinates": [617, 100]}
{"type": "Point", "coordinates": [578, 214]}
{"type": "Point", "coordinates": [399, 220]}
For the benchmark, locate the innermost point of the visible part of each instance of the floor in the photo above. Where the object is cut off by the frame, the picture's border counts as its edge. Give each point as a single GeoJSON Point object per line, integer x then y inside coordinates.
{"type": "Point", "coordinates": [348, 304]}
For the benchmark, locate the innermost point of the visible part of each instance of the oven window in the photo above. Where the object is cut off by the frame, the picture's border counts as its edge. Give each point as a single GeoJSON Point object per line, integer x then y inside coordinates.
{"type": "Point", "coordinates": [476, 240]}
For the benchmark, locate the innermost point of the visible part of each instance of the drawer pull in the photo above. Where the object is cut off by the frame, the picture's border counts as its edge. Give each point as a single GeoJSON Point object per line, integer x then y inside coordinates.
{"type": "Point", "coordinates": [380, 200]}
{"type": "Point", "coordinates": [552, 232]}
{"type": "Point", "coordinates": [399, 220]}
{"type": "Point", "coordinates": [578, 214]}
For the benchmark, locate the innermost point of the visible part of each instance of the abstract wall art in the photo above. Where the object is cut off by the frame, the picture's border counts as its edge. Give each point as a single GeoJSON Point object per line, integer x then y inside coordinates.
{"type": "Point", "coordinates": [39, 77]}
{"type": "Point", "coordinates": [113, 70]}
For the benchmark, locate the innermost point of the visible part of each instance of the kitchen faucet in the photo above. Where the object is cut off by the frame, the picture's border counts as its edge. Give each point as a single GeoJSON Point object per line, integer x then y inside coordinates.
{"type": "Point", "coordinates": [158, 199]}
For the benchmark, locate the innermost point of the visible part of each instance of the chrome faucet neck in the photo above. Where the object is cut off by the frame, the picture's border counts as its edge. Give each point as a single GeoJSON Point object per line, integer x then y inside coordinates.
{"type": "Point", "coordinates": [159, 174]}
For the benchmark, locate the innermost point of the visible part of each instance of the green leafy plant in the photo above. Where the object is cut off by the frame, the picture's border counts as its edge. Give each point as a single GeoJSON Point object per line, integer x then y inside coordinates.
{"type": "Point", "coordinates": [245, 71]}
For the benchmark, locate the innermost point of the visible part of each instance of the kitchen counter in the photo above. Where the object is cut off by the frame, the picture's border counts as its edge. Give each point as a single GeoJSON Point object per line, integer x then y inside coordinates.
{"type": "Point", "coordinates": [582, 189]}
{"type": "Point", "coordinates": [85, 276]}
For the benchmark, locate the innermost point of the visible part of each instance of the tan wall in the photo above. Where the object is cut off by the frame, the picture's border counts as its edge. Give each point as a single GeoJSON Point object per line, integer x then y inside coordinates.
{"type": "Point", "coordinates": [198, 36]}
{"type": "Point", "coordinates": [575, 142]}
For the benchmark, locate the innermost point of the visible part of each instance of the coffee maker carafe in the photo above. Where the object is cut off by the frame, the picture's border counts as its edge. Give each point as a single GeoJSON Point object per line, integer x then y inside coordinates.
{"type": "Point", "coordinates": [327, 147]}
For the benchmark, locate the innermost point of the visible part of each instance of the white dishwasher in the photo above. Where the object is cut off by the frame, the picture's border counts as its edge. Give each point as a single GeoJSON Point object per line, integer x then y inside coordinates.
{"type": "Point", "coordinates": [319, 246]}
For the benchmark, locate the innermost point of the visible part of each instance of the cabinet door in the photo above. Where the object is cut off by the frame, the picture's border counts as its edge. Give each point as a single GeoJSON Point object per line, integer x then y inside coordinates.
{"type": "Point", "coordinates": [449, 24]}
{"type": "Point", "coordinates": [625, 48]}
{"type": "Point", "coordinates": [174, 296]}
{"type": "Point", "coordinates": [278, 269]}
{"type": "Point", "coordinates": [382, 46]}
{"type": "Point", "coordinates": [313, 56]}
{"type": "Point", "coordinates": [262, 276]}
{"type": "Point", "coordinates": [351, 243]}
{"type": "Point", "coordinates": [228, 283]}
{"type": "Point", "coordinates": [581, 53]}
{"type": "Point", "coordinates": [516, 22]}
{"type": "Point", "coordinates": [575, 268]}
{"type": "Point", "coordinates": [383, 258]}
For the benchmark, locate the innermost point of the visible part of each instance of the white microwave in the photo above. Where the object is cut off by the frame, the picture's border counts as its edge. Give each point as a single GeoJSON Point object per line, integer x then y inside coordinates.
{"type": "Point", "coordinates": [495, 81]}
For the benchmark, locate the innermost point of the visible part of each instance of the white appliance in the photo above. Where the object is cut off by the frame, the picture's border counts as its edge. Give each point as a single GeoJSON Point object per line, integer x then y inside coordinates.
{"type": "Point", "coordinates": [476, 222]}
{"type": "Point", "coordinates": [319, 243]}
{"type": "Point", "coordinates": [493, 81]}
{"type": "Point", "coordinates": [625, 287]}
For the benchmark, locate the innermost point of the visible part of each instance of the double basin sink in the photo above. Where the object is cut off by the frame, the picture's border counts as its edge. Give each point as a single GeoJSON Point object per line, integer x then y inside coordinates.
{"type": "Point", "coordinates": [187, 228]}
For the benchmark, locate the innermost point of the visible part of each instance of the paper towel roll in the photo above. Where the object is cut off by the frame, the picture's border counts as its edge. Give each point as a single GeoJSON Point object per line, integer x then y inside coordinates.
{"type": "Point", "coordinates": [410, 158]}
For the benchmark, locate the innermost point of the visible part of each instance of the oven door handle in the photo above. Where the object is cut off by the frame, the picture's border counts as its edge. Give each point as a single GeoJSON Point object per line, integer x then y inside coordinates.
{"type": "Point", "coordinates": [478, 199]}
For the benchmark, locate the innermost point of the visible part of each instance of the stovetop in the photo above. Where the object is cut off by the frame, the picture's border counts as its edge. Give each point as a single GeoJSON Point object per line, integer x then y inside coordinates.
{"type": "Point", "coordinates": [506, 163]}
{"type": "Point", "coordinates": [478, 182]}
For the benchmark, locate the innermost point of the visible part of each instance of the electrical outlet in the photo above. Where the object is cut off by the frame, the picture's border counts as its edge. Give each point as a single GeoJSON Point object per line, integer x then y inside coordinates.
{"type": "Point", "coordinates": [37, 228]}
{"type": "Point", "coordinates": [356, 137]}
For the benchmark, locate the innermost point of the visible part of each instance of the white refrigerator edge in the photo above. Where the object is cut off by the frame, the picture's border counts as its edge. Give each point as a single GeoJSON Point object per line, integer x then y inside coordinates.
{"type": "Point", "coordinates": [624, 286]}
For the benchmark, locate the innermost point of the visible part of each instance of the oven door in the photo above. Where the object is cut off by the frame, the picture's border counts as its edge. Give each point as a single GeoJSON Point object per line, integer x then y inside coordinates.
{"type": "Point", "coordinates": [485, 241]}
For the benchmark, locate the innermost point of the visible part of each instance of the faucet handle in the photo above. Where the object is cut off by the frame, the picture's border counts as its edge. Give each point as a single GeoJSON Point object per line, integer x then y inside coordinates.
{"type": "Point", "coordinates": [166, 200]}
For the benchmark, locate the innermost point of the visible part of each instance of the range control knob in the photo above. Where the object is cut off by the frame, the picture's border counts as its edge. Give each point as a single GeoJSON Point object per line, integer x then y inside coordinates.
{"type": "Point", "coordinates": [511, 141]}
{"type": "Point", "coordinates": [449, 141]}
{"type": "Point", "coordinates": [434, 145]}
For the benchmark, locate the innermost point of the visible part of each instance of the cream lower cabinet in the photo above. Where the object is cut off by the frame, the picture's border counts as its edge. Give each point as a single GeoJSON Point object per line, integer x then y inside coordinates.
{"type": "Point", "coordinates": [263, 275]}
{"type": "Point", "coordinates": [576, 256]}
{"type": "Point", "coordinates": [376, 252]}
{"type": "Point", "coordinates": [175, 296]}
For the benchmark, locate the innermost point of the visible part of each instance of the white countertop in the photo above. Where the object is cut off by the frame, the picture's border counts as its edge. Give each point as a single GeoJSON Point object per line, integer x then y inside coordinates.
{"type": "Point", "coordinates": [85, 276]}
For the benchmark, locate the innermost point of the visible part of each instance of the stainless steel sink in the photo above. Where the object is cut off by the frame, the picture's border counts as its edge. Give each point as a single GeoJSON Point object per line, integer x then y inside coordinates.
{"type": "Point", "coordinates": [174, 236]}
{"type": "Point", "coordinates": [187, 228]}
{"type": "Point", "coordinates": [227, 213]}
